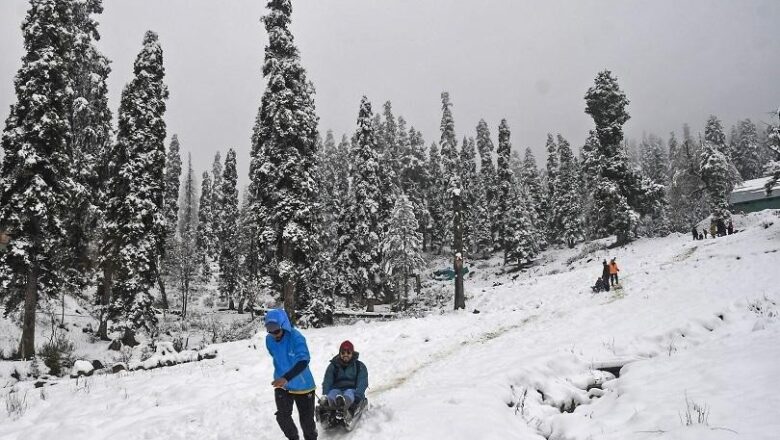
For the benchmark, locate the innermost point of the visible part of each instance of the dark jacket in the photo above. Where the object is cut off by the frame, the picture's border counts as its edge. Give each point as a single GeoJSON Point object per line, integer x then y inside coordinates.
{"type": "Point", "coordinates": [605, 271]}
{"type": "Point", "coordinates": [353, 375]}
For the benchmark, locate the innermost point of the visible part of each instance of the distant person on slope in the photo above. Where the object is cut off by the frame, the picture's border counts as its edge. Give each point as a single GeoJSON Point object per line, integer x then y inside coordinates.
{"type": "Point", "coordinates": [613, 272]}
{"type": "Point", "coordinates": [605, 275]}
{"type": "Point", "coordinates": [346, 379]}
{"type": "Point", "coordinates": [293, 381]}
{"type": "Point", "coordinates": [695, 233]}
{"type": "Point", "coordinates": [730, 227]}
{"type": "Point", "coordinates": [705, 232]}
{"type": "Point", "coordinates": [713, 229]}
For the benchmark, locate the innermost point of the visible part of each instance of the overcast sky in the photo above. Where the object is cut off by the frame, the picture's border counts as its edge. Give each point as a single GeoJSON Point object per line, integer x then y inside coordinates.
{"type": "Point", "coordinates": [530, 62]}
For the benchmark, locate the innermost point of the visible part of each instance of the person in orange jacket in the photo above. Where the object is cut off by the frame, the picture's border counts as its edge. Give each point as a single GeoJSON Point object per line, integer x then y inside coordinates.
{"type": "Point", "coordinates": [613, 272]}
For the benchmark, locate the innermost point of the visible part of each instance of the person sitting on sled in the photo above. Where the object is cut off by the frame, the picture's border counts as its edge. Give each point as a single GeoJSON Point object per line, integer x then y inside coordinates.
{"type": "Point", "coordinates": [346, 379]}
{"type": "Point", "coordinates": [600, 286]}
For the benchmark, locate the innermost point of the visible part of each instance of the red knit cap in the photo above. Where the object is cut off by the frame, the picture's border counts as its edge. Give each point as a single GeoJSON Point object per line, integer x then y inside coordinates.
{"type": "Point", "coordinates": [346, 345]}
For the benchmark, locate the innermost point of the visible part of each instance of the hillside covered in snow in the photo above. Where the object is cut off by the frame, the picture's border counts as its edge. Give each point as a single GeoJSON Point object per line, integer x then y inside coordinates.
{"type": "Point", "coordinates": [687, 349]}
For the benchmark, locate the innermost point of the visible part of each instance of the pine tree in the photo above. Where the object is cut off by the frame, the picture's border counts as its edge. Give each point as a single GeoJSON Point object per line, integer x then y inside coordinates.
{"type": "Point", "coordinates": [205, 242]}
{"type": "Point", "coordinates": [134, 215]}
{"type": "Point", "coordinates": [283, 163]}
{"type": "Point", "coordinates": [531, 185]}
{"type": "Point", "coordinates": [433, 195]}
{"type": "Point", "coordinates": [654, 160]}
{"type": "Point", "coordinates": [716, 177]}
{"type": "Point", "coordinates": [216, 196]}
{"type": "Point", "coordinates": [90, 120]}
{"type": "Point", "coordinates": [35, 178]}
{"type": "Point", "coordinates": [415, 181]}
{"type": "Point", "coordinates": [228, 235]}
{"type": "Point", "coordinates": [552, 228]}
{"type": "Point", "coordinates": [469, 179]}
{"type": "Point", "coordinates": [515, 231]}
{"type": "Point", "coordinates": [171, 214]}
{"type": "Point", "coordinates": [748, 156]}
{"type": "Point", "coordinates": [567, 207]}
{"type": "Point", "coordinates": [485, 218]}
{"type": "Point", "coordinates": [185, 254]}
{"type": "Point", "coordinates": [450, 168]}
{"type": "Point", "coordinates": [402, 245]}
{"type": "Point", "coordinates": [621, 196]}
{"type": "Point", "coordinates": [713, 133]}
{"type": "Point", "coordinates": [687, 203]}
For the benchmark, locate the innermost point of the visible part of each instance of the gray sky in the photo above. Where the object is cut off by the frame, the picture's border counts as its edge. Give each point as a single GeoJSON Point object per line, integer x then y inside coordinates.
{"type": "Point", "coordinates": [527, 61]}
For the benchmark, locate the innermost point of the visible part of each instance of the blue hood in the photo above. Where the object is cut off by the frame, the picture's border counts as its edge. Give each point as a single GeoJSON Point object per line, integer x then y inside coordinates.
{"type": "Point", "coordinates": [278, 316]}
{"type": "Point", "coordinates": [288, 351]}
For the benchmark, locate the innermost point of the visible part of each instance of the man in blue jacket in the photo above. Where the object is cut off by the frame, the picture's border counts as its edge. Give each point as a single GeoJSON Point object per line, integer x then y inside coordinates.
{"type": "Point", "coordinates": [293, 381]}
{"type": "Point", "coordinates": [346, 378]}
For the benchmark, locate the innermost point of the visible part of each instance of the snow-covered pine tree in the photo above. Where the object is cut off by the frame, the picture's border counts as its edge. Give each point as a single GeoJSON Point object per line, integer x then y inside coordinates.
{"type": "Point", "coordinates": [506, 186]}
{"type": "Point", "coordinates": [418, 179]}
{"type": "Point", "coordinates": [531, 187]}
{"type": "Point", "coordinates": [748, 155]}
{"type": "Point", "coordinates": [591, 163]}
{"type": "Point", "coordinates": [553, 163]}
{"type": "Point", "coordinates": [450, 168]}
{"type": "Point", "coordinates": [361, 244]}
{"type": "Point", "coordinates": [516, 233]}
{"type": "Point", "coordinates": [469, 181]}
{"type": "Point", "coordinates": [228, 236]}
{"type": "Point", "coordinates": [392, 151]}
{"type": "Point", "coordinates": [402, 245]}
{"type": "Point", "coordinates": [35, 177]}
{"type": "Point", "coordinates": [567, 208]}
{"type": "Point", "coordinates": [433, 191]}
{"type": "Point", "coordinates": [487, 172]}
{"type": "Point", "coordinates": [171, 213]}
{"type": "Point", "coordinates": [91, 128]}
{"type": "Point", "coordinates": [134, 215]}
{"type": "Point", "coordinates": [713, 133]}
{"type": "Point", "coordinates": [185, 256]}
{"type": "Point", "coordinates": [216, 197]}
{"type": "Point", "coordinates": [687, 202]}
{"type": "Point", "coordinates": [283, 163]}
{"type": "Point", "coordinates": [717, 180]}
{"type": "Point", "coordinates": [654, 160]}
{"type": "Point", "coordinates": [204, 242]}
{"type": "Point", "coordinates": [251, 283]}
{"type": "Point", "coordinates": [654, 166]}
{"type": "Point", "coordinates": [621, 196]}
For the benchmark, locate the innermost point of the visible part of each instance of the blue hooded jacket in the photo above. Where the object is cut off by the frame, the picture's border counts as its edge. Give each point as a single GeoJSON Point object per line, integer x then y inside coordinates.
{"type": "Point", "coordinates": [290, 350]}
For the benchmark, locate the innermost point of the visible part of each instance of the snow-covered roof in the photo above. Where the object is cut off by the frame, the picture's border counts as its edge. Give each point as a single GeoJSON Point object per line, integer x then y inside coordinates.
{"type": "Point", "coordinates": [750, 190]}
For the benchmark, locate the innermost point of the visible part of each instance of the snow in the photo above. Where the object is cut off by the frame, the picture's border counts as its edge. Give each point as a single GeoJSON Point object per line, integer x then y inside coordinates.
{"type": "Point", "coordinates": [695, 326]}
{"type": "Point", "coordinates": [81, 367]}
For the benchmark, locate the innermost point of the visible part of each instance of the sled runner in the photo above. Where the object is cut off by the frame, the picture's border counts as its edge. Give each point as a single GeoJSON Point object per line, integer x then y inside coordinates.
{"type": "Point", "coordinates": [330, 417]}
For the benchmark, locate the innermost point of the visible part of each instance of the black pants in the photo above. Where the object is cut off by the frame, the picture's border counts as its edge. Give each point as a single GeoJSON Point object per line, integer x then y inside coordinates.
{"type": "Point", "coordinates": [613, 278]}
{"type": "Point", "coordinates": [305, 404]}
{"type": "Point", "coordinates": [605, 279]}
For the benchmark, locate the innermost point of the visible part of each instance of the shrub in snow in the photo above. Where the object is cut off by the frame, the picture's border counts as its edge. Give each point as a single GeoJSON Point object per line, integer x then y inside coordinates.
{"type": "Point", "coordinates": [15, 405]}
{"type": "Point", "coordinates": [695, 413]}
{"type": "Point", "coordinates": [57, 354]}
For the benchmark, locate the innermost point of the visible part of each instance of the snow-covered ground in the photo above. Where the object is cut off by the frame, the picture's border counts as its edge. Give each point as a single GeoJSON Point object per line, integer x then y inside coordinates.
{"type": "Point", "coordinates": [696, 326]}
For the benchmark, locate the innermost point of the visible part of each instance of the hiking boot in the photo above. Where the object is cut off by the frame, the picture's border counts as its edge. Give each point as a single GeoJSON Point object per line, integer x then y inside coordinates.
{"type": "Point", "coordinates": [341, 402]}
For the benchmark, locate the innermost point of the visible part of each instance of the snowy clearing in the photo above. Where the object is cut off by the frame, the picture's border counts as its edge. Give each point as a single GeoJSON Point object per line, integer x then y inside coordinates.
{"type": "Point", "coordinates": [695, 329]}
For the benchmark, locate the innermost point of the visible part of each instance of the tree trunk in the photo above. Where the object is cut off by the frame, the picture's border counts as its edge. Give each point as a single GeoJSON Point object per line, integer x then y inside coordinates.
{"type": "Point", "coordinates": [457, 233]}
{"type": "Point", "coordinates": [163, 296]}
{"type": "Point", "coordinates": [288, 288]}
{"type": "Point", "coordinates": [27, 344]}
{"type": "Point", "coordinates": [105, 298]}
{"type": "Point", "coordinates": [406, 287]}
